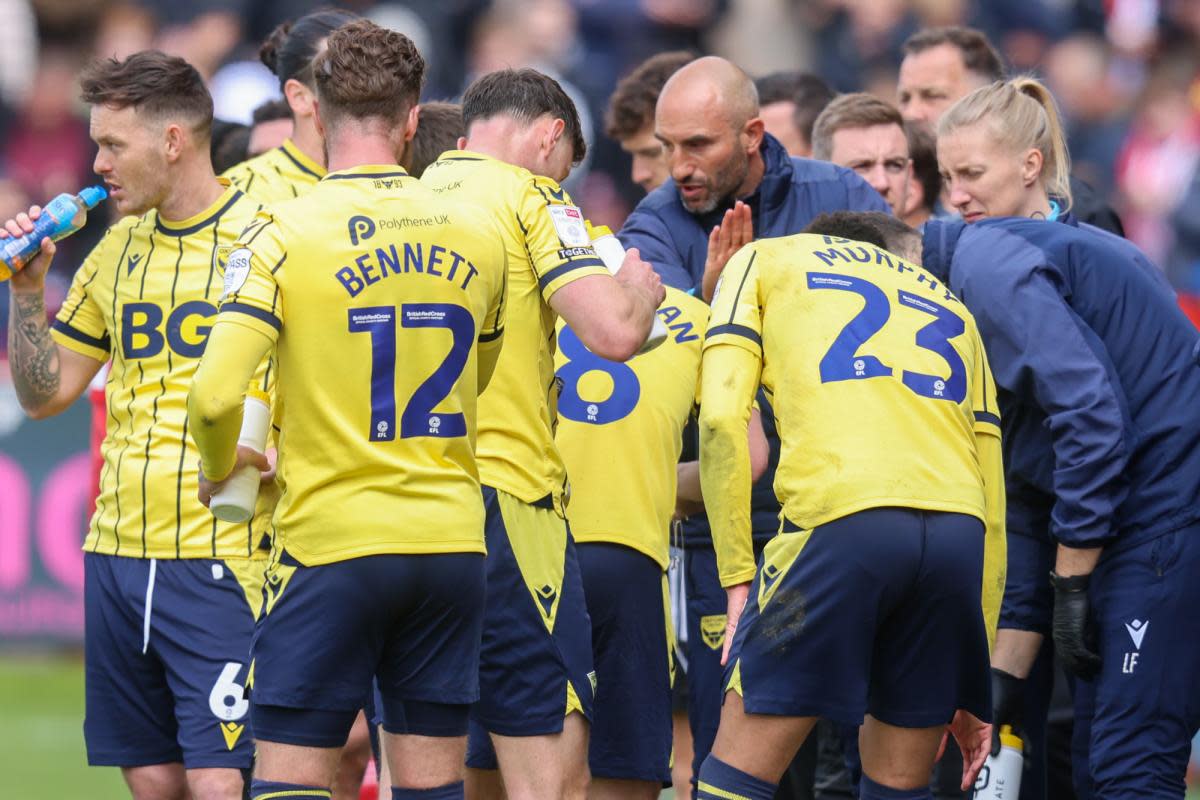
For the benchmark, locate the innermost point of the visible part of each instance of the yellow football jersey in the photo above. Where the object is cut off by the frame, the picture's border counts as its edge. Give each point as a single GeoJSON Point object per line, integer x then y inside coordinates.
{"type": "Point", "coordinates": [278, 174]}
{"type": "Point", "coordinates": [620, 430]}
{"type": "Point", "coordinates": [548, 247]}
{"type": "Point", "coordinates": [146, 297]}
{"type": "Point", "coordinates": [876, 372]}
{"type": "Point", "coordinates": [376, 291]}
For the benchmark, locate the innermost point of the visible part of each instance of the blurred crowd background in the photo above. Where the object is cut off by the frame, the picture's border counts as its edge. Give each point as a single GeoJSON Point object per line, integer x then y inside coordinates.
{"type": "Point", "coordinates": [1126, 74]}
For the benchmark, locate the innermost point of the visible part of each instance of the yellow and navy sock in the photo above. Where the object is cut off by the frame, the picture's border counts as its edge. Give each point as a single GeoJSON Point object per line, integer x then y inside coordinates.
{"type": "Point", "coordinates": [451, 791]}
{"type": "Point", "coordinates": [274, 790]}
{"type": "Point", "coordinates": [719, 781]}
{"type": "Point", "coordinates": [870, 790]}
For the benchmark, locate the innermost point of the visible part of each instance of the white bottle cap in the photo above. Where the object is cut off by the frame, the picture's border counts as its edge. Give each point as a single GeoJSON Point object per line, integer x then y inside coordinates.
{"type": "Point", "coordinates": [612, 253]}
{"type": "Point", "coordinates": [236, 500]}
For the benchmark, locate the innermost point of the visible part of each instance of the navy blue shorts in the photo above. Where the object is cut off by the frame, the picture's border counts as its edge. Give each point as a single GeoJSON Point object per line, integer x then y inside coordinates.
{"type": "Point", "coordinates": [878, 612]}
{"type": "Point", "coordinates": [166, 647]}
{"type": "Point", "coordinates": [412, 622]}
{"type": "Point", "coordinates": [631, 642]}
{"type": "Point", "coordinates": [1134, 722]}
{"type": "Point", "coordinates": [536, 662]}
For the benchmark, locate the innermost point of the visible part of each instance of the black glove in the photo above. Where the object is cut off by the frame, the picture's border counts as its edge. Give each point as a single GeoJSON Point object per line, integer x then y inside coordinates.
{"type": "Point", "coordinates": [1008, 704]}
{"type": "Point", "coordinates": [1074, 638]}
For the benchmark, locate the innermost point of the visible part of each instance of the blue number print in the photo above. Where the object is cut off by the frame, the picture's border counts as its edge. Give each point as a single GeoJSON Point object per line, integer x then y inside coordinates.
{"type": "Point", "coordinates": [843, 362]}
{"type": "Point", "coordinates": [580, 361]}
{"type": "Point", "coordinates": [936, 337]}
{"type": "Point", "coordinates": [418, 418]}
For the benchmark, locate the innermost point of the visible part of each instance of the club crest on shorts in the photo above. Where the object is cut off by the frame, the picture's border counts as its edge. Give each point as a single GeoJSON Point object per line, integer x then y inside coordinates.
{"type": "Point", "coordinates": [712, 630]}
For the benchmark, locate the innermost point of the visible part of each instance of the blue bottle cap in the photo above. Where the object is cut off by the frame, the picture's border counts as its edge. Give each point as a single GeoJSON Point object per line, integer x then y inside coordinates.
{"type": "Point", "coordinates": [92, 195]}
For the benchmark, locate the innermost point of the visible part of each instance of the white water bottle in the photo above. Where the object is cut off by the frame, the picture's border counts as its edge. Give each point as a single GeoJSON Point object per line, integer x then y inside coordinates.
{"type": "Point", "coordinates": [1000, 778]}
{"type": "Point", "coordinates": [612, 253]}
{"type": "Point", "coordinates": [236, 500]}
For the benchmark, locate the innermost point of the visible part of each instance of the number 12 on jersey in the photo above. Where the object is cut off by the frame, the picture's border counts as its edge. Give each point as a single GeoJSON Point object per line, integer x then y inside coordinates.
{"type": "Point", "coordinates": [418, 417]}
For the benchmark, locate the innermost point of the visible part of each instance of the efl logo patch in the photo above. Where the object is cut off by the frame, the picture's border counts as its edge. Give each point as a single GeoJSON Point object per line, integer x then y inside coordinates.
{"type": "Point", "coordinates": [568, 224]}
{"type": "Point", "coordinates": [712, 630]}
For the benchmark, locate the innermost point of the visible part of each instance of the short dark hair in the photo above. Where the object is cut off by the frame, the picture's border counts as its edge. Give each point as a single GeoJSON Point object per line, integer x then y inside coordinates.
{"type": "Point", "coordinates": [151, 82]}
{"type": "Point", "coordinates": [873, 227]}
{"type": "Point", "coordinates": [230, 145]}
{"type": "Point", "coordinates": [978, 54]}
{"type": "Point", "coordinates": [271, 111]}
{"type": "Point", "coordinates": [525, 95]}
{"type": "Point", "coordinates": [290, 49]}
{"type": "Point", "coordinates": [811, 97]}
{"type": "Point", "coordinates": [367, 71]}
{"type": "Point", "coordinates": [631, 107]}
{"type": "Point", "coordinates": [438, 128]}
{"type": "Point", "coordinates": [922, 149]}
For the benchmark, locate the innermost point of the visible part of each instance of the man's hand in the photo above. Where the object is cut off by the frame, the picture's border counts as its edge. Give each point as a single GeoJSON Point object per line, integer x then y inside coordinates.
{"type": "Point", "coordinates": [245, 456]}
{"type": "Point", "coordinates": [1071, 626]}
{"type": "Point", "coordinates": [639, 275]}
{"type": "Point", "coordinates": [735, 602]}
{"type": "Point", "coordinates": [735, 231]}
{"type": "Point", "coordinates": [974, 739]}
{"type": "Point", "coordinates": [1008, 704]}
{"type": "Point", "coordinates": [32, 278]}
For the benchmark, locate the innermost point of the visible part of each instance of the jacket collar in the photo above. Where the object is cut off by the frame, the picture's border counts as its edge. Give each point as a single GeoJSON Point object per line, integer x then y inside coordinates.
{"type": "Point", "coordinates": [773, 190]}
{"type": "Point", "coordinates": [939, 239]}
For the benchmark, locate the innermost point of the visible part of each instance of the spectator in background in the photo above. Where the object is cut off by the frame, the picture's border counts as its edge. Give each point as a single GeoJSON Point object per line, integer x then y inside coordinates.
{"type": "Point", "coordinates": [18, 50]}
{"type": "Point", "coordinates": [784, 102]}
{"type": "Point", "coordinates": [1094, 105]}
{"type": "Point", "coordinates": [629, 117]}
{"type": "Point", "coordinates": [1156, 162]}
{"type": "Point", "coordinates": [271, 125]}
{"type": "Point", "coordinates": [941, 65]}
{"type": "Point", "coordinates": [865, 134]}
{"type": "Point", "coordinates": [439, 128]}
{"type": "Point", "coordinates": [925, 185]}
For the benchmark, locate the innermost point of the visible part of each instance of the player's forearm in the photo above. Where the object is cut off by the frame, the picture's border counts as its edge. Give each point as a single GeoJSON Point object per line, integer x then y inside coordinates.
{"type": "Point", "coordinates": [730, 378]}
{"type": "Point", "coordinates": [33, 355]}
{"type": "Point", "coordinates": [1076, 560]}
{"type": "Point", "coordinates": [995, 544]}
{"type": "Point", "coordinates": [1015, 651]}
{"type": "Point", "coordinates": [218, 392]}
{"type": "Point", "coordinates": [634, 316]}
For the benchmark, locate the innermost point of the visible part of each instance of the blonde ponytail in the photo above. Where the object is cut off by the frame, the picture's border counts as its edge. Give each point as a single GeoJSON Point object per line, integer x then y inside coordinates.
{"type": "Point", "coordinates": [1022, 113]}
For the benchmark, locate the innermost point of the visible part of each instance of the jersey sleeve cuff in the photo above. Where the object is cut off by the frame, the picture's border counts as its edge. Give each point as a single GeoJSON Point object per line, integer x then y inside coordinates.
{"type": "Point", "coordinates": [568, 272]}
{"type": "Point", "coordinates": [77, 341]}
{"type": "Point", "coordinates": [732, 333]}
{"type": "Point", "coordinates": [252, 317]}
{"type": "Point", "coordinates": [987, 422]}
{"type": "Point", "coordinates": [739, 577]}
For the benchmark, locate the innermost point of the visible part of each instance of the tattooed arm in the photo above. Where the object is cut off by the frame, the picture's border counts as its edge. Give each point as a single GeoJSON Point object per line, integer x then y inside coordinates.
{"type": "Point", "coordinates": [47, 376]}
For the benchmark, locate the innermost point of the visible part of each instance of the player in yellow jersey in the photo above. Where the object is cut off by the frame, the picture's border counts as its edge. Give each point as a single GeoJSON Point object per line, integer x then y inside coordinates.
{"type": "Point", "coordinates": [167, 620]}
{"type": "Point", "coordinates": [386, 304]}
{"type": "Point", "coordinates": [880, 593]}
{"type": "Point", "coordinates": [523, 135]}
{"type": "Point", "coordinates": [620, 429]}
{"type": "Point", "coordinates": [295, 166]}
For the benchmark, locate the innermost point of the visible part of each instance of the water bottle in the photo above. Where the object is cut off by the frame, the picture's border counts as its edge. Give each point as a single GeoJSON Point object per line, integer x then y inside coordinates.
{"type": "Point", "coordinates": [236, 500]}
{"type": "Point", "coordinates": [1000, 778]}
{"type": "Point", "coordinates": [612, 253]}
{"type": "Point", "coordinates": [61, 217]}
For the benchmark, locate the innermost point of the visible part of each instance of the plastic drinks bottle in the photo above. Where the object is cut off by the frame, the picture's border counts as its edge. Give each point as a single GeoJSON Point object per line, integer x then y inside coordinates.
{"type": "Point", "coordinates": [61, 217]}
{"type": "Point", "coordinates": [612, 253]}
{"type": "Point", "coordinates": [1000, 778]}
{"type": "Point", "coordinates": [235, 502]}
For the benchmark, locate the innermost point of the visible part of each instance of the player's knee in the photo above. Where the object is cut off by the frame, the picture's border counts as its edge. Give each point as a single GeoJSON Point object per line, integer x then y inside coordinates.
{"type": "Point", "coordinates": [215, 784]}
{"type": "Point", "coordinates": [157, 782]}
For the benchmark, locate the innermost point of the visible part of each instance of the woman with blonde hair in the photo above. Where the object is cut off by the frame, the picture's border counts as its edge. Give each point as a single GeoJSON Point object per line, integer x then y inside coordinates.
{"type": "Point", "coordinates": [1003, 153]}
